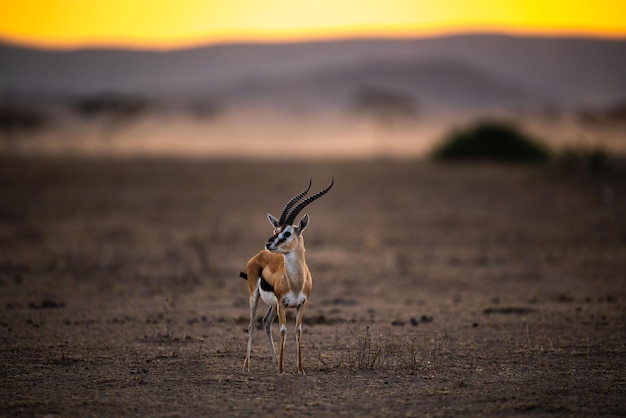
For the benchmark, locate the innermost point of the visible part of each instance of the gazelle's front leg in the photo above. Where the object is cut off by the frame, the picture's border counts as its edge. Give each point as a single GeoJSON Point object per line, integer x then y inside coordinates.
{"type": "Point", "coordinates": [254, 301]}
{"type": "Point", "coordinates": [267, 322]}
{"type": "Point", "coordinates": [299, 316]}
{"type": "Point", "coordinates": [282, 320]}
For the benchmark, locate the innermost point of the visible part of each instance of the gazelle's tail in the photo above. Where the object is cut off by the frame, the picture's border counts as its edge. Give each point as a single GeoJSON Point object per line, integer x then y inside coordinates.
{"type": "Point", "coordinates": [243, 275]}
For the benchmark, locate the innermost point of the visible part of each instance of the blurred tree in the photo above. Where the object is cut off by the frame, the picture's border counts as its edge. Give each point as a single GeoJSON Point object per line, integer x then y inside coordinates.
{"type": "Point", "coordinates": [385, 105]}
{"type": "Point", "coordinates": [115, 110]}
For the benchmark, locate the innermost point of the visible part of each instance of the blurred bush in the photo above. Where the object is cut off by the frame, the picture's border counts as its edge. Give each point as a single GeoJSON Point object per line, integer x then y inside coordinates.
{"type": "Point", "coordinates": [491, 141]}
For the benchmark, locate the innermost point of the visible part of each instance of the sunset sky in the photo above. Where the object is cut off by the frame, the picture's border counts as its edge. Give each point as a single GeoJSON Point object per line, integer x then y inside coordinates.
{"type": "Point", "coordinates": [177, 23]}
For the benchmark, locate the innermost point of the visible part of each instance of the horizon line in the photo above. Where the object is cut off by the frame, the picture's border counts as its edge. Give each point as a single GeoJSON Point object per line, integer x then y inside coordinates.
{"type": "Point", "coordinates": [138, 45]}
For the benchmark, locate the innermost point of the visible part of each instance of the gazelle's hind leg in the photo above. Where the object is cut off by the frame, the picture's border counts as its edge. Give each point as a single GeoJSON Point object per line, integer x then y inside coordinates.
{"type": "Point", "coordinates": [299, 316]}
{"type": "Point", "coordinates": [267, 322]}
{"type": "Point", "coordinates": [254, 301]}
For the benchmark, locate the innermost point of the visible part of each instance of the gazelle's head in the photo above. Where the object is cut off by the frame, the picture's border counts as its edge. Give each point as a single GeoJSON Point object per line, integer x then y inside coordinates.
{"type": "Point", "coordinates": [287, 236]}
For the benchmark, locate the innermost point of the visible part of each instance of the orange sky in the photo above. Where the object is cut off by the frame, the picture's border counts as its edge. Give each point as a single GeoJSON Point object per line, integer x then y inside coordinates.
{"type": "Point", "coordinates": [171, 23]}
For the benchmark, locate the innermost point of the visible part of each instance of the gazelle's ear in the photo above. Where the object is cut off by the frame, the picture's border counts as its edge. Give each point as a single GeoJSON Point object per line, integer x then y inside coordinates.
{"type": "Point", "coordinates": [273, 220]}
{"type": "Point", "coordinates": [303, 223]}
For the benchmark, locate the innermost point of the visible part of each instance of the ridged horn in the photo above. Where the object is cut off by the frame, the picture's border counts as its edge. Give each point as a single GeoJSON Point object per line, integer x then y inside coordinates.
{"type": "Point", "coordinates": [305, 202]}
{"type": "Point", "coordinates": [292, 202]}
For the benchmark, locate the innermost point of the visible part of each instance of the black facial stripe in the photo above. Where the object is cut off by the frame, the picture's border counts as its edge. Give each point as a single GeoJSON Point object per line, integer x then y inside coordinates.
{"type": "Point", "coordinates": [277, 239]}
{"type": "Point", "coordinates": [265, 285]}
{"type": "Point", "coordinates": [270, 241]}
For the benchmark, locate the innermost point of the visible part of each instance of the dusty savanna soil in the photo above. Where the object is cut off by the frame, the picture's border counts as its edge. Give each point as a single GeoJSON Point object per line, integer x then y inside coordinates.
{"type": "Point", "coordinates": [439, 290]}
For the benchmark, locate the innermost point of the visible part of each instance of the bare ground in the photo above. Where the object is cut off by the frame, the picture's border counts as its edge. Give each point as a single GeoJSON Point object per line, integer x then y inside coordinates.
{"type": "Point", "coordinates": [438, 290]}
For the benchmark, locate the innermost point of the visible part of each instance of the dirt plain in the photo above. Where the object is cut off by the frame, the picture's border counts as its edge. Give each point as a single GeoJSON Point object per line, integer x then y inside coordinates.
{"type": "Point", "coordinates": [439, 290]}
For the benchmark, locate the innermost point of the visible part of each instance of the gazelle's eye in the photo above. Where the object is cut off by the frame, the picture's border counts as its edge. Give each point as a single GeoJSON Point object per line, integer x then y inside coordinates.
{"type": "Point", "coordinates": [287, 234]}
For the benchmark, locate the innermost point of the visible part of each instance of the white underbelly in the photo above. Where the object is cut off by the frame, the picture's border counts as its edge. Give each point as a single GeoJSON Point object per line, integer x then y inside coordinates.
{"type": "Point", "coordinates": [268, 297]}
{"type": "Point", "coordinates": [290, 300]}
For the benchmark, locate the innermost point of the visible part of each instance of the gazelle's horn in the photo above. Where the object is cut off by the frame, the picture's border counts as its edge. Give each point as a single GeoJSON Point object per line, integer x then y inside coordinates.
{"type": "Point", "coordinates": [301, 205]}
{"type": "Point", "coordinates": [292, 202]}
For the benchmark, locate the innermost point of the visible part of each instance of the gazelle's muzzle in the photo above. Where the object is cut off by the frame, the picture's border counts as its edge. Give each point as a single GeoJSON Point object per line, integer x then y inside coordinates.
{"type": "Point", "coordinates": [274, 241]}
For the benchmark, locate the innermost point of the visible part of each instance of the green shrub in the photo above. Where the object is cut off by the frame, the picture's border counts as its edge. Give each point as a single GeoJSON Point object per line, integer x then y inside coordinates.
{"type": "Point", "coordinates": [492, 141]}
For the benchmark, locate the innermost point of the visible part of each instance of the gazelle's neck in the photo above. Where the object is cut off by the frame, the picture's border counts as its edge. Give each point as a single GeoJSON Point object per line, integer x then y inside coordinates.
{"type": "Point", "coordinates": [295, 266]}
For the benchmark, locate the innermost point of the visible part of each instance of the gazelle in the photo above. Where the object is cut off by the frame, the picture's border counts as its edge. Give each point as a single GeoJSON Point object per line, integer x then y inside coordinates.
{"type": "Point", "coordinates": [280, 276]}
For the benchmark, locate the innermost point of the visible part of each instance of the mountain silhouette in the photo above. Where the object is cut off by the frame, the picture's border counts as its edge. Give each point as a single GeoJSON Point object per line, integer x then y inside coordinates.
{"type": "Point", "coordinates": [458, 70]}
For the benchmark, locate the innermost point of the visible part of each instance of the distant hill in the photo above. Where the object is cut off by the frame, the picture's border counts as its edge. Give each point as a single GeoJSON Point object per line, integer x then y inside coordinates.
{"type": "Point", "coordinates": [460, 70]}
{"type": "Point", "coordinates": [433, 81]}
